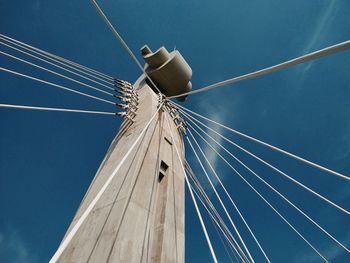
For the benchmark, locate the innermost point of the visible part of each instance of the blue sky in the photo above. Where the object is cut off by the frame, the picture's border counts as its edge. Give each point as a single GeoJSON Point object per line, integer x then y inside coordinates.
{"type": "Point", "coordinates": [47, 160]}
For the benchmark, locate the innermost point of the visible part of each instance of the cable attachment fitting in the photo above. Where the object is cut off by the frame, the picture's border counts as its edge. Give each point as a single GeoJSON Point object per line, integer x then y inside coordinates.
{"type": "Point", "coordinates": [182, 128]}
{"type": "Point", "coordinates": [176, 116]}
{"type": "Point", "coordinates": [125, 91]}
{"type": "Point", "coordinates": [127, 100]}
{"type": "Point", "coordinates": [122, 83]}
{"type": "Point", "coordinates": [162, 100]}
{"type": "Point", "coordinates": [123, 106]}
{"type": "Point", "coordinates": [124, 87]}
{"type": "Point", "coordinates": [125, 115]}
{"type": "Point", "coordinates": [129, 107]}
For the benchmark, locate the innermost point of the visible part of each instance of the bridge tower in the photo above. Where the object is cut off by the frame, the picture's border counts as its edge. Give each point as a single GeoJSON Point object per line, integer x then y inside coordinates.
{"type": "Point", "coordinates": [139, 217]}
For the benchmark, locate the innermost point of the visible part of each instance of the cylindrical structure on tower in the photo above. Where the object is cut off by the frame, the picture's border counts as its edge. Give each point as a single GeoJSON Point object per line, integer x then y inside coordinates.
{"type": "Point", "coordinates": [168, 71]}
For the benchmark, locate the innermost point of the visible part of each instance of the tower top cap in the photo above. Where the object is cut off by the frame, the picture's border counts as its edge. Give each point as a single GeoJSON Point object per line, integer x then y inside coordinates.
{"type": "Point", "coordinates": [169, 71]}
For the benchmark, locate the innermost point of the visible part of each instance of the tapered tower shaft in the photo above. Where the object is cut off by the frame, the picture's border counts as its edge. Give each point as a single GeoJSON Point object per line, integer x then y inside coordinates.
{"type": "Point", "coordinates": [140, 216]}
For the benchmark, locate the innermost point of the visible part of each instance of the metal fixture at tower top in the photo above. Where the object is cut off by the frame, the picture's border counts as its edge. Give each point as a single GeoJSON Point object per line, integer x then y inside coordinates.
{"type": "Point", "coordinates": [169, 71]}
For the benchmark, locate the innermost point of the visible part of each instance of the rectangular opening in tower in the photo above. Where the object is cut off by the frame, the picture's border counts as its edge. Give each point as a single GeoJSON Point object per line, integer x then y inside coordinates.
{"type": "Point", "coordinates": [162, 170]}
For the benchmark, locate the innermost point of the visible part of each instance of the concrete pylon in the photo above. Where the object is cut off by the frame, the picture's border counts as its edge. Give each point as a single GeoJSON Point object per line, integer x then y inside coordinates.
{"type": "Point", "coordinates": [140, 216]}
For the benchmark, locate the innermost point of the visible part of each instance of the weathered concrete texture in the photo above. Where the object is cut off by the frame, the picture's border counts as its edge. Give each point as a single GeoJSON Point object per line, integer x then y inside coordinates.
{"type": "Point", "coordinates": [139, 218]}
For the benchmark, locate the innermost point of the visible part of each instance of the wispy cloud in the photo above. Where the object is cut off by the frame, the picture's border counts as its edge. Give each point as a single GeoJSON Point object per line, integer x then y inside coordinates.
{"type": "Point", "coordinates": [342, 154]}
{"type": "Point", "coordinates": [322, 27]}
{"type": "Point", "coordinates": [343, 193]}
{"type": "Point", "coordinates": [330, 253]}
{"type": "Point", "coordinates": [36, 5]}
{"type": "Point", "coordinates": [206, 110]}
{"type": "Point", "coordinates": [13, 249]}
{"type": "Point", "coordinates": [212, 156]}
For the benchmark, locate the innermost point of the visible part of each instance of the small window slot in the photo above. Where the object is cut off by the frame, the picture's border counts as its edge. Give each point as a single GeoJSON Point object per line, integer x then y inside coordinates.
{"type": "Point", "coordinates": [168, 141]}
{"type": "Point", "coordinates": [163, 166]}
{"type": "Point", "coordinates": [162, 170]}
{"type": "Point", "coordinates": [160, 176]}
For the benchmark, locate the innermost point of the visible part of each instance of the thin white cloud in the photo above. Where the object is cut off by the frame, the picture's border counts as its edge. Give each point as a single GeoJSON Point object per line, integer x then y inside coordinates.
{"type": "Point", "coordinates": [322, 27]}
{"type": "Point", "coordinates": [37, 5]}
{"type": "Point", "coordinates": [341, 151]}
{"type": "Point", "coordinates": [344, 193]}
{"type": "Point", "coordinates": [208, 111]}
{"type": "Point", "coordinates": [14, 249]}
{"type": "Point", "coordinates": [212, 156]}
{"type": "Point", "coordinates": [217, 110]}
{"type": "Point", "coordinates": [330, 253]}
